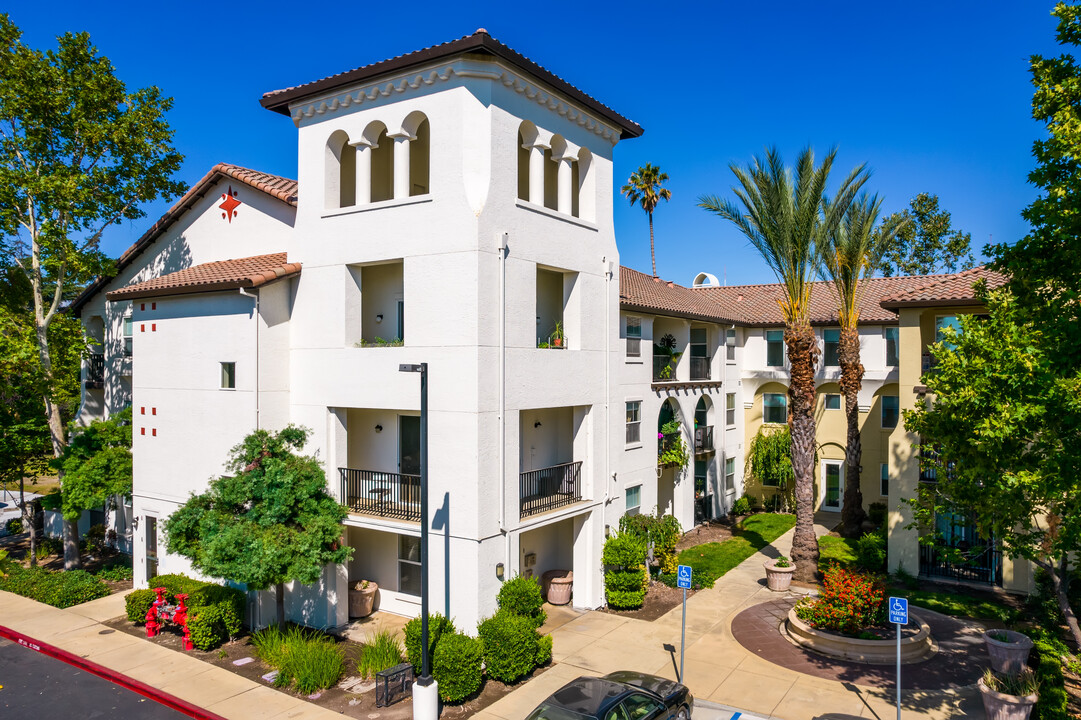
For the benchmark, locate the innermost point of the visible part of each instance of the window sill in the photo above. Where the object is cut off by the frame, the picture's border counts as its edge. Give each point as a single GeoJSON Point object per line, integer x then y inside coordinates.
{"type": "Point", "coordinates": [635, 361]}
{"type": "Point", "coordinates": [555, 214]}
{"type": "Point", "coordinates": [396, 202]}
{"type": "Point", "coordinates": [632, 446]}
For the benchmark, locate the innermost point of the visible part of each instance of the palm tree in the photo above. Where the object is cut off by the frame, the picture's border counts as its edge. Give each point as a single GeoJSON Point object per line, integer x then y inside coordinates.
{"type": "Point", "coordinates": [644, 187]}
{"type": "Point", "coordinates": [783, 215]}
{"type": "Point", "coordinates": [851, 252]}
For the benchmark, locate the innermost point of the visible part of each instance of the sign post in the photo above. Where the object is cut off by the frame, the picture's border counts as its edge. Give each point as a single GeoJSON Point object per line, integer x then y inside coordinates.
{"type": "Point", "coordinates": [683, 581]}
{"type": "Point", "coordinates": [898, 608]}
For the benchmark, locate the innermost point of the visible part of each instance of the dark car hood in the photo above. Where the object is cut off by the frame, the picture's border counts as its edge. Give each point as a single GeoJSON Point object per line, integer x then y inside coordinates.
{"type": "Point", "coordinates": [662, 687]}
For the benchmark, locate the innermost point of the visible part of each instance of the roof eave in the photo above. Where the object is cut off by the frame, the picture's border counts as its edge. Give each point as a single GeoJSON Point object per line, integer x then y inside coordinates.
{"type": "Point", "coordinates": [896, 305]}
{"type": "Point", "coordinates": [221, 286]}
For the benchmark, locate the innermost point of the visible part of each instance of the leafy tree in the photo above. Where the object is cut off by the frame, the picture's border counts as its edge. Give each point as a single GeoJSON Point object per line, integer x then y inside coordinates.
{"type": "Point", "coordinates": [784, 215]}
{"type": "Point", "coordinates": [268, 523]}
{"type": "Point", "coordinates": [644, 188]}
{"type": "Point", "coordinates": [78, 152]}
{"type": "Point", "coordinates": [926, 243]}
{"type": "Point", "coordinates": [852, 251]}
{"type": "Point", "coordinates": [96, 464]}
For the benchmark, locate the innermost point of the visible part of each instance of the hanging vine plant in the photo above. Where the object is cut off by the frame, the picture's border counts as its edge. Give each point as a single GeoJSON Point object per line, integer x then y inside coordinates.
{"type": "Point", "coordinates": [672, 450]}
{"type": "Point", "coordinates": [769, 460]}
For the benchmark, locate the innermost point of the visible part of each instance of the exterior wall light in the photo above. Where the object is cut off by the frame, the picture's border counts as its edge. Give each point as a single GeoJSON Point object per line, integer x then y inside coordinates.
{"type": "Point", "coordinates": [379, 428]}
{"type": "Point", "coordinates": [537, 424]}
{"type": "Point", "coordinates": [499, 570]}
{"type": "Point", "coordinates": [379, 318]}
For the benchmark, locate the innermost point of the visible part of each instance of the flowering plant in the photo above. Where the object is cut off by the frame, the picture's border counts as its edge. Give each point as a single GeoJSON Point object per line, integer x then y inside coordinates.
{"type": "Point", "coordinates": [848, 601]}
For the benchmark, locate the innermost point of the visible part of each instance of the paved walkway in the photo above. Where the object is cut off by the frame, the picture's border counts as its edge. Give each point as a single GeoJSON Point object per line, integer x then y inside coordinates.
{"type": "Point", "coordinates": [718, 669]}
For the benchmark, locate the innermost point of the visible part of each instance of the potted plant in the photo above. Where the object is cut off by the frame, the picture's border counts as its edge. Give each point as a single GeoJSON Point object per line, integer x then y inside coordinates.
{"type": "Point", "coordinates": [362, 598]}
{"type": "Point", "coordinates": [557, 336]}
{"type": "Point", "coordinates": [1007, 697]}
{"type": "Point", "coordinates": [1008, 650]}
{"type": "Point", "coordinates": [779, 573]}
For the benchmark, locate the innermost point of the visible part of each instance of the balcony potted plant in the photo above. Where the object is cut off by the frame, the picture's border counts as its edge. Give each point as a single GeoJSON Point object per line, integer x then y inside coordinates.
{"type": "Point", "coordinates": [1007, 697]}
{"type": "Point", "coordinates": [1008, 650]}
{"type": "Point", "coordinates": [362, 598]}
{"type": "Point", "coordinates": [557, 336]}
{"type": "Point", "coordinates": [779, 573]}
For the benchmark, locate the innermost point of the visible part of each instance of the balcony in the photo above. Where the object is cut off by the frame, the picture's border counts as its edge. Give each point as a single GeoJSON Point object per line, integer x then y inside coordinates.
{"type": "Point", "coordinates": [700, 368]}
{"type": "Point", "coordinates": [381, 494]}
{"type": "Point", "coordinates": [664, 368]}
{"type": "Point", "coordinates": [95, 371]}
{"type": "Point", "coordinates": [703, 439]}
{"type": "Point", "coordinates": [549, 488]}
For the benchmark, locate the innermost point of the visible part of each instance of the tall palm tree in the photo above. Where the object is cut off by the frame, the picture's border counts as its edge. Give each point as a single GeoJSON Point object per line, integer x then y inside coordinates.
{"type": "Point", "coordinates": [852, 250]}
{"type": "Point", "coordinates": [782, 213]}
{"type": "Point", "coordinates": [644, 187]}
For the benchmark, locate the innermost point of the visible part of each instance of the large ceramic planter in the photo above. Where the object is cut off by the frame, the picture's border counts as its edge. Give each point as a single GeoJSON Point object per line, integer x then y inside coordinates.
{"type": "Point", "coordinates": [778, 578]}
{"type": "Point", "coordinates": [558, 586]}
{"type": "Point", "coordinates": [1000, 706]}
{"type": "Point", "coordinates": [914, 648]}
{"type": "Point", "coordinates": [362, 599]}
{"type": "Point", "coordinates": [1009, 656]}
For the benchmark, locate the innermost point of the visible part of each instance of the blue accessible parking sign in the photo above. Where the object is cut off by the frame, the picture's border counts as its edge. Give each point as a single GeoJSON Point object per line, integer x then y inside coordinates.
{"type": "Point", "coordinates": [898, 610]}
{"type": "Point", "coordinates": [684, 577]}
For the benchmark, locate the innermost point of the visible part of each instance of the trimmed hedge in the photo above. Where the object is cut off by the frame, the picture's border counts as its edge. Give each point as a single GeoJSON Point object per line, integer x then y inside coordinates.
{"type": "Point", "coordinates": [511, 646]}
{"type": "Point", "coordinates": [14, 526]}
{"type": "Point", "coordinates": [625, 578]}
{"type": "Point", "coordinates": [457, 666]}
{"type": "Point", "coordinates": [60, 589]}
{"type": "Point", "coordinates": [215, 612]}
{"type": "Point", "coordinates": [523, 596]}
{"type": "Point", "coordinates": [871, 551]}
{"type": "Point", "coordinates": [437, 627]}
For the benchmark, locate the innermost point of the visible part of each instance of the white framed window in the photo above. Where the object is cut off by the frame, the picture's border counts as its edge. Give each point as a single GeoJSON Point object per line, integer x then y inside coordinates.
{"type": "Point", "coordinates": [831, 347]}
{"type": "Point", "coordinates": [634, 337]}
{"type": "Point", "coordinates": [891, 411]}
{"type": "Point", "coordinates": [634, 498]}
{"type": "Point", "coordinates": [634, 421]}
{"type": "Point", "coordinates": [128, 330]}
{"type": "Point", "coordinates": [775, 348]}
{"type": "Point", "coordinates": [946, 321]}
{"type": "Point", "coordinates": [774, 408]}
{"type": "Point", "coordinates": [228, 376]}
{"type": "Point", "coordinates": [884, 474]}
{"type": "Point", "coordinates": [730, 345]}
{"type": "Point", "coordinates": [730, 409]}
{"type": "Point", "coordinates": [833, 401]}
{"type": "Point", "coordinates": [729, 474]}
{"type": "Point", "coordinates": [409, 565]}
{"type": "Point", "coordinates": [893, 337]}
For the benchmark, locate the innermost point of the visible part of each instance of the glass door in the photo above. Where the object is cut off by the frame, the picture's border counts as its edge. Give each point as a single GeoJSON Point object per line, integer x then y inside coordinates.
{"type": "Point", "coordinates": [409, 445]}
{"type": "Point", "coordinates": [151, 547]}
{"type": "Point", "coordinates": [833, 482]}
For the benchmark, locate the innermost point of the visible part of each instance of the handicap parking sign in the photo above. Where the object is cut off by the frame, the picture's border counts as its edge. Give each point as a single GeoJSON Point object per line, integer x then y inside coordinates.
{"type": "Point", "coordinates": [898, 610]}
{"type": "Point", "coordinates": [684, 577]}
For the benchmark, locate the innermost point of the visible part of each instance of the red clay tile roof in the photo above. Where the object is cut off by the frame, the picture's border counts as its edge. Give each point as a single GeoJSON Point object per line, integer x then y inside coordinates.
{"type": "Point", "coordinates": [638, 291]}
{"type": "Point", "coordinates": [249, 272]}
{"type": "Point", "coordinates": [276, 186]}
{"type": "Point", "coordinates": [479, 43]}
{"type": "Point", "coordinates": [955, 289]}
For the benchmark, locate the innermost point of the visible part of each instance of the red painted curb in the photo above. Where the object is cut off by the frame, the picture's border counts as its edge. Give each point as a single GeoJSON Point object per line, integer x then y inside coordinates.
{"type": "Point", "coordinates": [164, 698]}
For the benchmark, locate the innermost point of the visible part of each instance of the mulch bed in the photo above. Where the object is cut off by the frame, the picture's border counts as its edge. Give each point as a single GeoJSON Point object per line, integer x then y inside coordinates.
{"type": "Point", "coordinates": [658, 601]}
{"type": "Point", "coordinates": [349, 704]}
{"type": "Point", "coordinates": [716, 531]}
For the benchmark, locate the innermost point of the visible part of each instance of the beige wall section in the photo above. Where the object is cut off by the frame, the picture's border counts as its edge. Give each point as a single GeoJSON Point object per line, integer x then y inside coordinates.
{"type": "Point", "coordinates": [903, 545]}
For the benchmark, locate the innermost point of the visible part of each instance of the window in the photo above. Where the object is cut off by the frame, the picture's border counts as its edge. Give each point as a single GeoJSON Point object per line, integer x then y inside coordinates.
{"type": "Point", "coordinates": [892, 337]}
{"type": "Point", "coordinates": [699, 347]}
{"type": "Point", "coordinates": [946, 321]}
{"type": "Point", "coordinates": [228, 376]}
{"type": "Point", "coordinates": [885, 475]}
{"type": "Point", "coordinates": [634, 337]}
{"type": "Point", "coordinates": [634, 498]}
{"type": "Point", "coordinates": [409, 565]}
{"type": "Point", "coordinates": [774, 408]}
{"type": "Point", "coordinates": [831, 348]}
{"type": "Point", "coordinates": [775, 348]}
{"type": "Point", "coordinates": [634, 421]}
{"type": "Point", "coordinates": [127, 335]}
{"type": "Point", "coordinates": [730, 344]}
{"type": "Point", "coordinates": [833, 401]}
{"type": "Point", "coordinates": [730, 409]}
{"type": "Point", "coordinates": [729, 474]}
{"type": "Point", "coordinates": [891, 410]}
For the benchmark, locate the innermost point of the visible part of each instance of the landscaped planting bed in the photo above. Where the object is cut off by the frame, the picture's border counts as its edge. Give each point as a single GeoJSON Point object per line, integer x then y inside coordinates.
{"type": "Point", "coordinates": [712, 560]}
{"type": "Point", "coordinates": [60, 589]}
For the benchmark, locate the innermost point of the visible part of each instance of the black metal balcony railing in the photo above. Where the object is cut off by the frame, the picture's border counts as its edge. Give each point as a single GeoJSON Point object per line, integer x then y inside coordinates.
{"type": "Point", "coordinates": [666, 442]}
{"type": "Point", "coordinates": [700, 368]}
{"type": "Point", "coordinates": [391, 495]}
{"type": "Point", "coordinates": [95, 370]}
{"type": "Point", "coordinates": [703, 439]}
{"type": "Point", "coordinates": [549, 488]}
{"type": "Point", "coordinates": [977, 564]}
{"type": "Point", "coordinates": [663, 368]}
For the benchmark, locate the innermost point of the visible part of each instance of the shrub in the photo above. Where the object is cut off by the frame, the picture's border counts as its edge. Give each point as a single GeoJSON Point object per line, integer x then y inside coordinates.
{"type": "Point", "coordinates": [137, 603]}
{"type": "Point", "coordinates": [382, 651]}
{"type": "Point", "coordinates": [847, 602]}
{"type": "Point", "coordinates": [457, 666]}
{"type": "Point", "coordinates": [625, 579]}
{"type": "Point", "coordinates": [116, 570]}
{"type": "Point", "coordinates": [876, 513]}
{"type": "Point", "coordinates": [871, 551]}
{"type": "Point", "coordinates": [544, 650]}
{"type": "Point", "coordinates": [306, 659]}
{"type": "Point", "coordinates": [95, 538]}
{"type": "Point", "coordinates": [215, 612]}
{"type": "Point", "coordinates": [14, 526]}
{"type": "Point", "coordinates": [742, 506]}
{"type": "Point", "coordinates": [663, 531]}
{"type": "Point", "coordinates": [49, 546]}
{"type": "Point", "coordinates": [522, 596]}
{"type": "Point", "coordinates": [52, 501]}
{"type": "Point", "coordinates": [437, 627]}
{"type": "Point", "coordinates": [510, 646]}
{"type": "Point", "coordinates": [59, 589]}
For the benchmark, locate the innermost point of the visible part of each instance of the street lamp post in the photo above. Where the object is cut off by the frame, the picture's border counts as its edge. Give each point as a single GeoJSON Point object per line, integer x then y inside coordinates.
{"type": "Point", "coordinates": [425, 690]}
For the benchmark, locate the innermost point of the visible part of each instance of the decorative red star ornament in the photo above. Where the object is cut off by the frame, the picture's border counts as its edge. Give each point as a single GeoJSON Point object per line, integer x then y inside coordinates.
{"type": "Point", "coordinates": [229, 205]}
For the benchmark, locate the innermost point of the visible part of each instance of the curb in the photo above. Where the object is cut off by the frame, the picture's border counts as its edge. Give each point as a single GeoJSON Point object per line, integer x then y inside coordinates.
{"type": "Point", "coordinates": [736, 714]}
{"type": "Point", "coordinates": [137, 686]}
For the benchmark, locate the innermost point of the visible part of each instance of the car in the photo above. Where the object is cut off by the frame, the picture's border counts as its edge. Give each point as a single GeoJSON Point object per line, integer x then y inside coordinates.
{"type": "Point", "coordinates": [622, 695]}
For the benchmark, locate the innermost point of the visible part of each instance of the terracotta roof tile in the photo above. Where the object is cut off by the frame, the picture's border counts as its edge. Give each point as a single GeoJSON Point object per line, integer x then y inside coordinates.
{"type": "Point", "coordinates": [638, 291]}
{"type": "Point", "coordinates": [955, 289]}
{"type": "Point", "coordinates": [249, 272]}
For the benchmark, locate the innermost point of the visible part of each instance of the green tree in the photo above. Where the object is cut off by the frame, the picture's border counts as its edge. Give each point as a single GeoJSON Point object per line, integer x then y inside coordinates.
{"type": "Point", "coordinates": [927, 243]}
{"type": "Point", "coordinates": [96, 464]}
{"type": "Point", "coordinates": [269, 522]}
{"type": "Point", "coordinates": [78, 152]}
{"type": "Point", "coordinates": [852, 251]}
{"type": "Point", "coordinates": [644, 188]}
{"type": "Point", "coordinates": [783, 214]}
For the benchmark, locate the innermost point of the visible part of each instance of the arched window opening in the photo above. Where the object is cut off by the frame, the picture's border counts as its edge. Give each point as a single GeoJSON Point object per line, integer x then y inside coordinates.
{"type": "Point", "coordinates": [420, 160]}
{"type": "Point", "coordinates": [527, 138]}
{"type": "Point", "coordinates": [585, 197]}
{"type": "Point", "coordinates": [382, 150]}
{"type": "Point", "coordinates": [551, 180]}
{"type": "Point", "coordinates": [340, 172]}
{"type": "Point", "coordinates": [575, 207]}
{"type": "Point", "coordinates": [703, 426]}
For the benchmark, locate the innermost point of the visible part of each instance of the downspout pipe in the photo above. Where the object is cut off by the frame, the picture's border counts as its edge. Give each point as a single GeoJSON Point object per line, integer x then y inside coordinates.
{"type": "Point", "coordinates": [255, 316]}
{"type": "Point", "coordinates": [502, 475]}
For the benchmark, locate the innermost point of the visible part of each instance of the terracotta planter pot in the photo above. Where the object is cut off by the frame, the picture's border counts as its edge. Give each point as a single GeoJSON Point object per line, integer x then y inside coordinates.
{"type": "Point", "coordinates": [777, 578]}
{"type": "Point", "coordinates": [1010, 656]}
{"type": "Point", "coordinates": [1000, 706]}
{"type": "Point", "coordinates": [362, 599]}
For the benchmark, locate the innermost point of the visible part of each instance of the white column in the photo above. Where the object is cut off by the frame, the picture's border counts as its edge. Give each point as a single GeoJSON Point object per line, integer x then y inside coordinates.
{"type": "Point", "coordinates": [364, 172]}
{"type": "Point", "coordinates": [536, 174]}
{"type": "Point", "coordinates": [564, 191]}
{"type": "Point", "coordinates": [401, 164]}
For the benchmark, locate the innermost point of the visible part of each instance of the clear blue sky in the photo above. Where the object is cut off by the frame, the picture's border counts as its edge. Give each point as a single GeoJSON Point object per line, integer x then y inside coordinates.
{"type": "Point", "coordinates": [934, 96]}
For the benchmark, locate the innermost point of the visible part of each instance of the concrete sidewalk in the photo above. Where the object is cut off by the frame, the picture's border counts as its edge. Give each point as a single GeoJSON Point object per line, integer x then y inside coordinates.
{"type": "Point", "coordinates": [718, 669]}
{"type": "Point", "coordinates": [79, 631]}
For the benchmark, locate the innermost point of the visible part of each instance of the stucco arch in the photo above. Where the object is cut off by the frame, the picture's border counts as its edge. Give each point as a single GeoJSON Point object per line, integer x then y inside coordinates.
{"type": "Point", "coordinates": [340, 170]}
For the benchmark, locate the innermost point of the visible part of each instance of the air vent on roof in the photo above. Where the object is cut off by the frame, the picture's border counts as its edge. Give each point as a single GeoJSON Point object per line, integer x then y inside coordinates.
{"type": "Point", "coordinates": [705, 279]}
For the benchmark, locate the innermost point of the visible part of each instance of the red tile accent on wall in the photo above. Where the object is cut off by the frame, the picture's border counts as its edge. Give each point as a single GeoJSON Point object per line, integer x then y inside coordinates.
{"type": "Point", "coordinates": [153, 327]}
{"type": "Point", "coordinates": [153, 306]}
{"type": "Point", "coordinates": [154, 432]}
{"type": "Point", "coordinates": [142, 327]}
{"type": "Point", "coordinates": [153, 411]}
{"type": "Point", "coordinates": [142, 431]}
{"type": "Point", "coordinates": [142, 410]}
{"type": "Point", "coordinates": [142, 306]}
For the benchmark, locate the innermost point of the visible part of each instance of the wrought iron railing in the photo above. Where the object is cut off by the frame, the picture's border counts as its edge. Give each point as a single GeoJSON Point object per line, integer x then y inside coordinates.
{"type": "Point", "coordinates": [95, 370]}
{"type": "Point", "coordinates": [703, 439]}
{"type": "Point", "coordinates": [549, 488]}
{"type": "Point", "coordinates": [977, 564]}
{"type": "Point", "coordinates": [664, 368]}
{"type": "Point", "coordinates": [665, 443]}
{"type": "Point", "coordinates": [700, 368]}
{"type": "Point", "coordinates": [391, 495]}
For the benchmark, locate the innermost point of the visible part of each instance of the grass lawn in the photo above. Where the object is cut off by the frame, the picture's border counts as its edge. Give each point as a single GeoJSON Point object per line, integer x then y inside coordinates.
{"type": "Point", "coordinates": [712, 560]}
{"type": "Point", "coordinates": [959, 605]}
{"type": "Point", "coordinates": [835, 549]}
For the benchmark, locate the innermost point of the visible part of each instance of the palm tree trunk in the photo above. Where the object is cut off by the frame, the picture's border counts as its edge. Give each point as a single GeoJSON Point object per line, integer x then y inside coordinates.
{"type": "Point", "coordinates": [852, 514]}
{"type": "Point", "coordinates": [652, 255]}
{"type": "Point", "coordinates": [802, 357]}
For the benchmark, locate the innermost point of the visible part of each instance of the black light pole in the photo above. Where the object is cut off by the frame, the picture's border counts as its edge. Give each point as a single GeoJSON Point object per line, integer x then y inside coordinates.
{"type": "Point", "coordinates": [425, 678]}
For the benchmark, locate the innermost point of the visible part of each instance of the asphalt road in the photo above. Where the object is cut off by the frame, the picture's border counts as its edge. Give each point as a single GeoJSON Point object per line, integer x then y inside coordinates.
{"type": "Point", "coordinates": [33, 685]}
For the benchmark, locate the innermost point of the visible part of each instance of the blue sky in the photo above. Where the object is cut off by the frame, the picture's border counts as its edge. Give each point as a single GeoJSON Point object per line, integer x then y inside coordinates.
{"type": "Point", "coordinates": [934, 96]}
